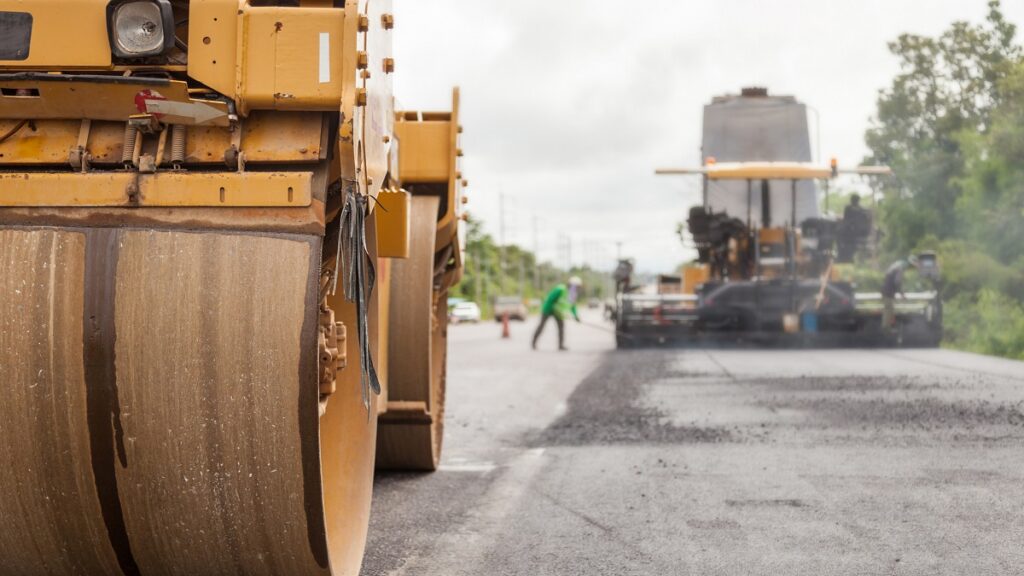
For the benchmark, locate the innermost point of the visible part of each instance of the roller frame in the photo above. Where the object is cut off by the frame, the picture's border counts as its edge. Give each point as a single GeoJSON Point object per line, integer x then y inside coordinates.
{"type": "Point", "coordinates": [412, 427]}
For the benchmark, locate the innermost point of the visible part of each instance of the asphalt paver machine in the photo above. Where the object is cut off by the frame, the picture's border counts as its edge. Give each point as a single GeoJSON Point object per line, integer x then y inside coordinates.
{"type": "Point", "coordinates": [766, 268]}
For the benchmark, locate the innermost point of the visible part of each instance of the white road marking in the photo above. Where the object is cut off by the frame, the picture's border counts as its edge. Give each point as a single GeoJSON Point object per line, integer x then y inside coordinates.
{"type": "Point", "coordinates": [483, 467]}
{"type": "Point", "coordinates": [486, 520]}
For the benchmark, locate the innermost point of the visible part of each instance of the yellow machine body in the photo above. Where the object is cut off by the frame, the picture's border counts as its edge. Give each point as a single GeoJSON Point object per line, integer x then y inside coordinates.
{"type": "Point", "coordinates": [394, 221]}
{"type": "Point", "coordinates": [169, 227]}
{"type": "Point", "coordinates": [694, 276]}
{"type": "Point", "coordinates": [430, 165]}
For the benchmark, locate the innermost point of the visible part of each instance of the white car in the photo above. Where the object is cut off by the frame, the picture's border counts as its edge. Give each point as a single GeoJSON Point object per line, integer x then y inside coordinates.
{"type": "Point", "coordinates": [511, 305]}
{"type": "Point", "coordinates": [465, 312]}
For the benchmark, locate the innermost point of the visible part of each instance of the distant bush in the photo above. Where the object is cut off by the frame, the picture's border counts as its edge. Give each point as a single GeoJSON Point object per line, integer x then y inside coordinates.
{"type": "Point", "coordinates": [991, 324]}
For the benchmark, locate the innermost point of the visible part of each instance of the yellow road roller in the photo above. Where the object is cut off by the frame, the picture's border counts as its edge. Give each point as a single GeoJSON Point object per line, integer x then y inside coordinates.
{"type": "Point", "coordinates": [212, 283]}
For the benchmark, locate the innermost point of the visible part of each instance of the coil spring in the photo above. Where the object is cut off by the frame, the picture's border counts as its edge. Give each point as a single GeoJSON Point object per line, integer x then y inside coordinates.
{"type": "Point", "coordinates": [177, 145]}
{"type": "Point", "coordinates": [131, 134]}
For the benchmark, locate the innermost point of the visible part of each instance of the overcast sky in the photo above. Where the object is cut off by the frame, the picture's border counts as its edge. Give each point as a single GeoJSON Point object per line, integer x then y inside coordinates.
{"type": "Point", "coordinates": [570, 105]}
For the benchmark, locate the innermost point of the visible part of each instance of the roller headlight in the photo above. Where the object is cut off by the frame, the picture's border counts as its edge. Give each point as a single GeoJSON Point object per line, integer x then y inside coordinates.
{"type": "Point", "coordinates": [140, 28]}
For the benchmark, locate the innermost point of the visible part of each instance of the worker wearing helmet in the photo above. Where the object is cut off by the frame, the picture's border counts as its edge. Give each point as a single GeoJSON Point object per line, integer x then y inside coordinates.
{"type": "Point", "coordinates": [560, 300]}
{"type": "Point", "coordinates": [891, 286]}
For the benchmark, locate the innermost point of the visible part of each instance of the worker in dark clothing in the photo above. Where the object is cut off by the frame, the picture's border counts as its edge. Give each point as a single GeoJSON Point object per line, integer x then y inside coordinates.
{"type": "Point", "coordinates": [853, 230]}
{"type": "Point", "coordinates": [891, 286]}
{"type": "Point", "coordinates": [856, 217]}
{"type": "Point", "coordinates": [559, 301]}
{"type": "Point", "coordinates": [623, 276]}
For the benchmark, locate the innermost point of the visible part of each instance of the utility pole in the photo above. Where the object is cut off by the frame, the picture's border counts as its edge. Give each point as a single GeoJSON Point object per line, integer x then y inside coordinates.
{"type": "Point", "coordinates": [477, 276]}
{"type": "Point", "coordinates": [485, 302]}
{"type": "Point", "coordinates": [522, 274]}
{"type": "Point", "coordinates": [501, 234]}
{"type": "Point", "coordinates": [563, 252]}
{"type": "Point", "coordinates": [536, 257]}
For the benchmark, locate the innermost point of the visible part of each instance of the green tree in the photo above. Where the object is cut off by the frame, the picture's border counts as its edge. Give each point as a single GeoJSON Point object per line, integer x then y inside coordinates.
{"type": "Point", "coordinates": [952, 127]}
{"type": "Point", "coordinates": [947, 86]}
{"type": "Point", "coordinates": [492, 270]}
{"type": "Point", "coordinates": [991, 207]}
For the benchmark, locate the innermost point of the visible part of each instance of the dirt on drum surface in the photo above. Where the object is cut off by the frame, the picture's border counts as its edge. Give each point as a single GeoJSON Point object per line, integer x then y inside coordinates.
{"type": "Point", "coordinates": [668, 461]}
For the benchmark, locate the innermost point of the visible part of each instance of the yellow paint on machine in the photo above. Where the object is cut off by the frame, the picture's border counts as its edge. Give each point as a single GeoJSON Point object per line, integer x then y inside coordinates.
{"type": "Point", "coordinates": [429, 154]}
{"type": "Point", "coordinates": [226, 189]}
{"type": "Point", "coordinates": [212, 43]}
{"type": "Point", "coordinates": [394, 220]}
{"type": "Point", "coordinates": [429, 157]}
{"type": "Point", "coordinates": [64, 189]}
{"type": "Point", "coordinates": [267, 137]}
{"type": "Point", "coordinates": [65, 35]}
{"type": "Point", "coordinates": [290, 59]}
{"type": "Point", "coordinates": [755, 171]}
{"type": "Point", "coordinates": [98, 189]}
{"type": "Point", "coordinates": [694, 276]}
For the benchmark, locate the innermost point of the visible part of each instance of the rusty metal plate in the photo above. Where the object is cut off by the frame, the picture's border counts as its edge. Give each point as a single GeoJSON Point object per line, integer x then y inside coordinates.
{"type": "Point", "coordinates": [277, 220]}
{"type": "Point", "coordinates": [97, 97]}
{"type": "Point", "coordinates": [295, 137]}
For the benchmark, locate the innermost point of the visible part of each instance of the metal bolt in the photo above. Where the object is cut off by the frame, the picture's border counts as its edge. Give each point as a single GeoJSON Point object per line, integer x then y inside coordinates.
{"type": "Point", "coordinates": [389, 65]}
{"type": "Point", "coordinates": [387, 21]}
{"type": "Point", "coordinates": [364, 23]}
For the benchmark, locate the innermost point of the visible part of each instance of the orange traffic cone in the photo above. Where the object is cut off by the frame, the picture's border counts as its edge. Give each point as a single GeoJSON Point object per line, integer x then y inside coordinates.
{"type": "Point", "coordinates": [504, 326]}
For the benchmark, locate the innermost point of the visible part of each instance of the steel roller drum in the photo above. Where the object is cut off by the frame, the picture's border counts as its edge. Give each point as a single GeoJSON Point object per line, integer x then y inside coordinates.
{"type": "Point", "coordinates": [161, 410]}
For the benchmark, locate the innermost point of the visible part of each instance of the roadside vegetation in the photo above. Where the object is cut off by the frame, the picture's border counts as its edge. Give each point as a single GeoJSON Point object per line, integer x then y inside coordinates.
{"type": "Point", "coordinates": [494, 270]}
{"type": "Point", "coordinates": [951, 125]}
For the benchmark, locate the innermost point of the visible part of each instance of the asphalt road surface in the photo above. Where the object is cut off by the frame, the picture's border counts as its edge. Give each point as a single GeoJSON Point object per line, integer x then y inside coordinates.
{"type": "Point", "coordinates": [596, 461]}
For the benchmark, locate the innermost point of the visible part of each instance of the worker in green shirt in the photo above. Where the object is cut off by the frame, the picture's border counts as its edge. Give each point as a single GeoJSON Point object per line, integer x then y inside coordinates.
{"type": "Point", "coordinates": [560, 300]}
